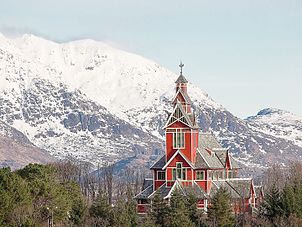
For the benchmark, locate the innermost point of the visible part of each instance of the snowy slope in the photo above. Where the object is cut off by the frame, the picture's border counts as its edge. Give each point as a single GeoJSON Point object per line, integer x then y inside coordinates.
{"type": "Point", "coordinates": [278, 123]}
{"type": "Point", "coordinates": [89, 100]}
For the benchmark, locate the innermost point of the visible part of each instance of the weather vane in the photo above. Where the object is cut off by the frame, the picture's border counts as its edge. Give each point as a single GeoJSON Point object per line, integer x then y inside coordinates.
{"type": "Point", "coordinates": [181, 65]}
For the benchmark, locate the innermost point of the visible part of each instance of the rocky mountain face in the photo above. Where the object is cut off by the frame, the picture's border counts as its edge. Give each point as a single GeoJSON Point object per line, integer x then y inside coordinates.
{"type": "Point", "coordinates": [90, 101]}
{"type": "Point", "coordinates": [16, 150]}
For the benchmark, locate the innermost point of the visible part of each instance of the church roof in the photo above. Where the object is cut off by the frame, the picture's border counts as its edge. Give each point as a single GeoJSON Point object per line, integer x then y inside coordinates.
{"type": "Point", "coordinates": [237, 187]}
{"type": "Point", "coordinates": [160, 163]}
{"type": "Point", "coordinates": [241, 185]}
{"type": "Point", "coordinates": [147, 183]}
{"type": "Point", "coordinates": [163, 190]}
{"type": "Point", "coordinates": [145, 193]}
{"type": "Point", "coordinates": [187, 121]}
{"type": "Point", "coordinates": [181, 79]}
{"type": "Point", "coordinates": [196, 190]}
{"type": "Point", "coordinates": [206, 161]}
{"type": "Point", "coordinates": [208, 142]}
{"type": "Point", "coordinates": [184, 94]}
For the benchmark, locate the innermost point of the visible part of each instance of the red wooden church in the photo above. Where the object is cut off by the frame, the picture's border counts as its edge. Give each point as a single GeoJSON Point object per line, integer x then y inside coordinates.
{"type": "Point", "coordinates": [195, 162]}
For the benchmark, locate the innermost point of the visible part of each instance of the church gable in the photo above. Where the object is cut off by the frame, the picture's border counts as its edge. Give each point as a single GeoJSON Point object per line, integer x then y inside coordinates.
{"type": "Point", "coordinates": [178, 157]}
{"type": "Point", "coordinates": [181, 97]}
{"type": "Point", "coordinates": [179, 115]}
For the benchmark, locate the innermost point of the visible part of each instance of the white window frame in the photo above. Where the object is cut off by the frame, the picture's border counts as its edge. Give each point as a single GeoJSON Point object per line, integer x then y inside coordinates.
{"type": "Point", "coordinates": [200, 171]}
{"type": "Point", "coordinates": [158, 175]}
{"type": "Point", "coordinates": [179, 139]}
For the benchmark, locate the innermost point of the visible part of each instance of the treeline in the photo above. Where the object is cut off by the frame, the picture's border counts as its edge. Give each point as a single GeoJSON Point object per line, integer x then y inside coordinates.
{"type": "Point", "coordinates": [67, 194]}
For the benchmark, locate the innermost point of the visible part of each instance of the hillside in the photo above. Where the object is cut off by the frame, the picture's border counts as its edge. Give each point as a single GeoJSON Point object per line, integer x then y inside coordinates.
{"type": "Point", "coordinates": [88, 100]}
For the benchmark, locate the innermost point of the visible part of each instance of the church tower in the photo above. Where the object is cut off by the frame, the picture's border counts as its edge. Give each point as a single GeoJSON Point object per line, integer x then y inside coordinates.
{"type": "Point", "coordinates": [181, 134]}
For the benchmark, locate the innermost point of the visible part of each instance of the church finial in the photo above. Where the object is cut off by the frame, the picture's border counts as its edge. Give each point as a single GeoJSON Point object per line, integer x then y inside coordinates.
{"type": "Point", "coordinates": [181, 65]}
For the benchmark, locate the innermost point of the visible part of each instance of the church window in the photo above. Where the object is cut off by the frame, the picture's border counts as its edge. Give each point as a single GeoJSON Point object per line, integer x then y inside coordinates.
{"type": "Point", "coordinates": [161, 175]}
{"type": "Point", "coordinates": [179, 172]}
{"type": "Point", "coordinates": [174, 174]}
{"type": "Point", "coordinates": [200, 175]}
{"type": "Point", "coordinates": [184, 174]}
{"type": "Point", "coordinates": [178, 139]}
{"type": "Point", "coordinates": [178, 168]}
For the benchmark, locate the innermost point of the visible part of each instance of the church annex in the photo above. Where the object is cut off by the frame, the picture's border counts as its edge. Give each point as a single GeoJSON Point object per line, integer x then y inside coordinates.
{"type": "Point", "coordinates": [195, 162]}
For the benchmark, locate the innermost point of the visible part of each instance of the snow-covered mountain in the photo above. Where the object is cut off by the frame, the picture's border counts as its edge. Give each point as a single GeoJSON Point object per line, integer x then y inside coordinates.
{"type": "Point", "coordinates": [89, 100]}
{"type": "Point", "coordinates": [278, 123]}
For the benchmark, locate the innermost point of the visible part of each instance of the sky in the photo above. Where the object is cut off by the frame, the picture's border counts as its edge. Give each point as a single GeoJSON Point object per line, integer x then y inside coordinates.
{"type": "Point", "coordinates": [246, 54]}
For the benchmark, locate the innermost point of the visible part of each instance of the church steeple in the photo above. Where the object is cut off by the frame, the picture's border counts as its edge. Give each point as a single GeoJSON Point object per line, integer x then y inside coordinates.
{"type": "Point", "coordinates": [181, 79]}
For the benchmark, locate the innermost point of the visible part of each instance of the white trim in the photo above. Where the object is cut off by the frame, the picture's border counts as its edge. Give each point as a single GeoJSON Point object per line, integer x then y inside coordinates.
{"type": "Point", "coordinates": [228, 156]}
{"type": "Point", "coordinates": [184, 138]}
{"type": "Point", "coordinates": [204, 174]}
{"type": "Point", "coordinates": [180, 91]}
{"type": "Point", "coordinates": [178, 104]}
{"type": "Point", "coordinates": [154, 191]}
{"type": "Point", "coordinates": [182, 155]}
{"type": "Point", "coordinates": [203, 158]}
{"type": "Point", "coordinates": [173, 187]}
{"type": "Point", "coordinates": [160, 171]}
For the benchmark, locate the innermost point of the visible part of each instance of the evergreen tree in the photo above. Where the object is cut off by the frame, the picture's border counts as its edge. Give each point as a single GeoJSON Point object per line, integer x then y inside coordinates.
{"type": "Point", "coordinates": [220, 211]}
{"type": "Point", "coordinates": [124, 213]}
{"type": "Point", "coordinates": [272, 207]}
{"type": "Point", "coordinates": [15, 200]}
{"type": "Point", "coordinates": [292, 199]}
{"type": "Point", "coordinates": [197, 216]}
{"type": "Point", "coordinates": [179, 211]}
{"type": "Point", "coordinates": [101, 211]}
{"type": "Point", "coordinates": [159, 211]}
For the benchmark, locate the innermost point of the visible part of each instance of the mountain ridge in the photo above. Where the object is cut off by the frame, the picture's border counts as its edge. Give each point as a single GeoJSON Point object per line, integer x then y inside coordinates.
{"type": "Point", "coordinates": [84, 83]}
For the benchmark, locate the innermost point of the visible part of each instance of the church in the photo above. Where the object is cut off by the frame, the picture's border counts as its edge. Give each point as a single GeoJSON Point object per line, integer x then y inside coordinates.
{"type": "Point", "coordinates": [195, 162]}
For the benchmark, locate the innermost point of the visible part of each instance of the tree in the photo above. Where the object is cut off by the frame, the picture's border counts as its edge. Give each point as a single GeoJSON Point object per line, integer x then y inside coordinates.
{"type": "Point", "coordinates": [220, 210]}
{"type": "Point", "coordinates": [179, 211]}
{"type": "Point", "coordinates": [197, 216]}
{"type": "Point", "coordinates": [159, 211]}
{"type": "Point", "coordinates": [101, 211]}
{"type": "Point", "coordinates": [273, 206]}
{"type": "Point", "coordinates": [15, 199]}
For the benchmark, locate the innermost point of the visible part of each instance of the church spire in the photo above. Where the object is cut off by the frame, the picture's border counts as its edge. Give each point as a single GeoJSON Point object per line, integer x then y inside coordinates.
{"type": "Point", "coordinates": [181, 79]}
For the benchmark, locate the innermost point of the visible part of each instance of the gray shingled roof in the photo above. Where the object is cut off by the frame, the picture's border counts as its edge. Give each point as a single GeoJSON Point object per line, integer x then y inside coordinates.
{"type": "Point", "coordinates": [207, 140]}
{"type": "Point", "coordinates": [160, 163]}
{"type": "Point", "coordinates": [181, 79]}
{"type": "Point", "coordinates": [205, 160]}
{"type": "Point", "coordinates": [218, 184]}
{"type": "Point", "coordinates": [196, 190]}
{"type": "Point", "coordinates": [147, 183]}
{"type": "Point", "coordinates": [145, 193]}
{"type": "Point", "coordinates": [221, 154]}
{"type": "Point", "coordinates": [241, 185]}
{"type": "Point", "coordinates": [162, 190]}
{"type": "Point", "coordinates": [234, 163]}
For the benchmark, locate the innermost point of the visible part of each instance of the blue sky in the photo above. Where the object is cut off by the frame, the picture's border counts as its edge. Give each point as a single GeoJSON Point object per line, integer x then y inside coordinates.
{"type": "Point", "coordinates": [246, 54]}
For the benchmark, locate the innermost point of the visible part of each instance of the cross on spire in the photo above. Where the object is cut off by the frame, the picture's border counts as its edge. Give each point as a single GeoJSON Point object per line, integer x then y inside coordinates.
{"type": "Point", "coordinates": [181, 65]}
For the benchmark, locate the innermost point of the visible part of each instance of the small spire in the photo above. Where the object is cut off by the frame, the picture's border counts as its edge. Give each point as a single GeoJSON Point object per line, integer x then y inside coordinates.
{"type": "Point", "coordinates": [181, 78]}
{"type": "Point", "coordinates": [181, 65]}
